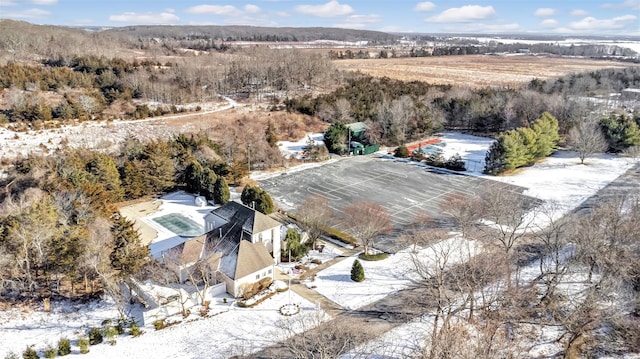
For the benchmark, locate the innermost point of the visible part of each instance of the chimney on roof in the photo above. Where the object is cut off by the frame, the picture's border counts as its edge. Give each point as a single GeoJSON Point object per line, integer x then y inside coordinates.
{"type": "Point", "coordinates": [220, 232]}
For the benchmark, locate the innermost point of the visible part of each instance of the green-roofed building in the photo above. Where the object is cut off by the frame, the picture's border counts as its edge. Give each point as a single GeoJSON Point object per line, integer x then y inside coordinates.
{"type": "Point", "coordinates": [358, 130]}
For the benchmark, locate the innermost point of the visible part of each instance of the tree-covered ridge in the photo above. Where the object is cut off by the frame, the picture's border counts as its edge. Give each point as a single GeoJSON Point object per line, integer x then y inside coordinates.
{"type": "Point", "coordinates": [58, 216]}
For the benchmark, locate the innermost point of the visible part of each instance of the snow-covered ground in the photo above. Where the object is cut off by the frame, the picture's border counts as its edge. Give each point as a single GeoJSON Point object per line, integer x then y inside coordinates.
{"type": "Point", "coordinates": [291, 149]}
{"type": "Point", "coordinates": [294, 150]}
{"type": "Point", "coordinates": [98, 134]}
{"type": "Point", "coordinates": [229, 331]}
{"type": "Point", "coordinates": [385, 276]}
{"type": "Point", "coordinates": [559, 178]}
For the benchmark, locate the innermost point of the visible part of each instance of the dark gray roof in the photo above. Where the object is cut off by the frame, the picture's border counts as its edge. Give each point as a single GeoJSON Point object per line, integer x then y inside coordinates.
{"type": "Point", "coordinates": [252, 221]}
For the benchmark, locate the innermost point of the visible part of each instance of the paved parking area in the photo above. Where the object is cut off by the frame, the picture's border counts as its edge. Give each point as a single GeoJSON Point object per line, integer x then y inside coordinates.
{"type": "Point", "coordinates": [406, 189]}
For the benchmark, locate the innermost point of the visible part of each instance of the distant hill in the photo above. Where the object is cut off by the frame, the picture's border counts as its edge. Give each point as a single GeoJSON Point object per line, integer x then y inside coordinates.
{"type": "Point", "coordinates": [252, 33]}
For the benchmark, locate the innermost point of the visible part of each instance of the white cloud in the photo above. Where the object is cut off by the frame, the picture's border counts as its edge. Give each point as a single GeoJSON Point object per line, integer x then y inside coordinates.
{"type": "Point", "coordinates": [146, 18]}
{"type": "Point", "coordinates": [213, 10]}
{"type": "Point", "coordinates": [27, 14]}
{"type": "Point", "coordinates": [544, 12]}
{"type": "Point", "coordinates": [359, 21]}
{"type": "Point", "coordinates": [331, 9]}
{"type": "Point", "coordinates": [425, 6]}
{"type": "Point", "coordinates": [547, 23]}
{"type": "Point", "coordinates": [579, 13]}
{"type": "Point", "coordinates": [282, 14]}
{"type": "Point", "coordinates": [44, 2]}
{"type": "Point", "coordinates": [631, 4]}
{"type": "Point", "coordinates": [7, 3]}
{"type": "Point", "coordinates": [590, 24]}
{"type": "Point", "coordinates": [465, 13]}
{"type": "Point", "coordinates": [251, 9]}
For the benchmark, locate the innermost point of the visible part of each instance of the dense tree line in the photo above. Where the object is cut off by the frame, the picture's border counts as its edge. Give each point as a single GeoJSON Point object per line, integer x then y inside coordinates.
{"type": "Point", "coordinates": [595, 51]}
{"type": "Point", "coordinates": [601, 82]}
{"type": "Point", "coordinates": [87, 87]}
{"type": "Point", "coordinates": [398, 112]}
{"type": "Point", "coordinates": [523, 146]}
{"type": "Point", "coordinates": [252, 33]}
{"type": "Point", "coordinates": [58, 219]}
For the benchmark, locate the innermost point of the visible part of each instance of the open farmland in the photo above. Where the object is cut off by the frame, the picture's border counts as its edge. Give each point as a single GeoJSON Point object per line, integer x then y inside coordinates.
{"type": "Point", "coordinates": [476, 70]}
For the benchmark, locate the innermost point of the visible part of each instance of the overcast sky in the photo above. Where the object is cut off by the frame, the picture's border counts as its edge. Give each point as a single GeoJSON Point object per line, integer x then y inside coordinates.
{"type": "Point", "coordinates": [584, 17]}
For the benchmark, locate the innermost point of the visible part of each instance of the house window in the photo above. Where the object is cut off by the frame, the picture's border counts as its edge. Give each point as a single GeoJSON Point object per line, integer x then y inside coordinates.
{"type": "Point", "coordinates": [258, 276]}
{"type": "Point", "coordinates": [270, 271]}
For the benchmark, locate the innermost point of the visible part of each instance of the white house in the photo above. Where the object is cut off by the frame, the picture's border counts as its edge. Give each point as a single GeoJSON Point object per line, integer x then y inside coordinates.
{"type": "Point", "coordinates": [241, 246]}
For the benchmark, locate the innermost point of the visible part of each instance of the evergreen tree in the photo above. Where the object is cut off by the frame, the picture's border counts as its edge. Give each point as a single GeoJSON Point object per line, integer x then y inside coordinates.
{"type": "Point", "coordinates": [265, 203]}
{"type": "Point", "coordinates": [516, 152]}
{"type": "Point", "coordinates": [270, 135]}
{"type": "Point", "coordinates": [128, 255]}
{"type": "Point", "coordinates": [193, 175]}
{"type": "Point", "coordinates": [495, 158]}
{"type": "Point", "coordinates": [104, 171]}
{"type": "Point", "coordinates": [208, 183]}
{"type": "Point", "coordinates": [294, 247]}
{"type": "Point", "coordinates": [132, 180]}
{"type": "Point", "coordinates": [621, 132]}
{"type": "Point", "coordinates": [401, 151]}
{"type": "Point", "coordinates": [258, 199]}
{"type": "Point", "coordinates": [357, 271]}
{"type": "Point", "coordinates": [157, 167]}
{"type": "Point", "coordinates": [547, 131]}
{"type": "Point", "coordinates": [335, 138]}
{"type": "Point", "coordinates": [221, 193]}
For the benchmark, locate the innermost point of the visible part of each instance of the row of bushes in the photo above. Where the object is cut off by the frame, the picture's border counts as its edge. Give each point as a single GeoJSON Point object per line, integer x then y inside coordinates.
{"type": "Point", "coordinates": [95, 336]}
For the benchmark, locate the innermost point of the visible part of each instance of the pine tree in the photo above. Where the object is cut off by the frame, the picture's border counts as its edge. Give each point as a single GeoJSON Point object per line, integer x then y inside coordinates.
{"type": "Point", "coordinates": [495, 158]}
{"type": "Point", "coordinates": [207, 186]}
{"type": "Point", "coordinates": [128, 254]}
{"type": "Point", "coordinates": [401, 152]}
{"type": "Point", "coordinates": [547, 131]}
{"type": "Point", "coordinates": [357, 271]}
{"type": "Point", "coordinates": [270, 135]}
{"type": "Point", "coordinates": [221, 193]}
{"type": "Point", "coordinates": [335, 138]}
{"type": "Point", "coordinates": [258, 199]}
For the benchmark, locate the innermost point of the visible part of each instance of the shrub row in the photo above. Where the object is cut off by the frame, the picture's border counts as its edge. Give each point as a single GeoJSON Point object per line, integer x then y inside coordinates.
{"type": "Point", "coordinates": [95, 336]}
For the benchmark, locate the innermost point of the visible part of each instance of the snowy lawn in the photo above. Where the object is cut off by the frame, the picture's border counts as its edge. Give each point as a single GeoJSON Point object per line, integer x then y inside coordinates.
{"type": "Point", "coordinates": [228, 330]}
{"type": "Point", "coordinates": [559, 179]}
{"type": "Point", "coordinates": [383, 277]}
{"type": "Point", "coordinates": [328, 253]}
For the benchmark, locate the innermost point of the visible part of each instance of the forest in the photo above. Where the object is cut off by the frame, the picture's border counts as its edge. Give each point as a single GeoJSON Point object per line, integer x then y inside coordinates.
{"type": "Point", "coordinates": [59, 220]}
{"type": "Point", "coordinates": [398, 112]}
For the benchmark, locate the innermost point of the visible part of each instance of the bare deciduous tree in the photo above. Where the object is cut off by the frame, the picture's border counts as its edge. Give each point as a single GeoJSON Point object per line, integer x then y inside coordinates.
{"type": "Point", "coordinates": [402, 110]}
{"type": "Point", "coordinates": [308, 335]}
{"type": "Point", "coordinates": [464, 210]}
{"type": "Point", "coordinates": [367, 220]}
{"type": "Point", "coordinates": [587, 139]}
{"type": "Point", "coordinates": [314, 213]}
{"type": "Point", "coordinates": [508, 219]}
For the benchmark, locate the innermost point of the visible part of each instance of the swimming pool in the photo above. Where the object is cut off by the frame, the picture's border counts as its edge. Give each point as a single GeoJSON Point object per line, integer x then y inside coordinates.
{"type": "Point", "coordinates": [180, 225]}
